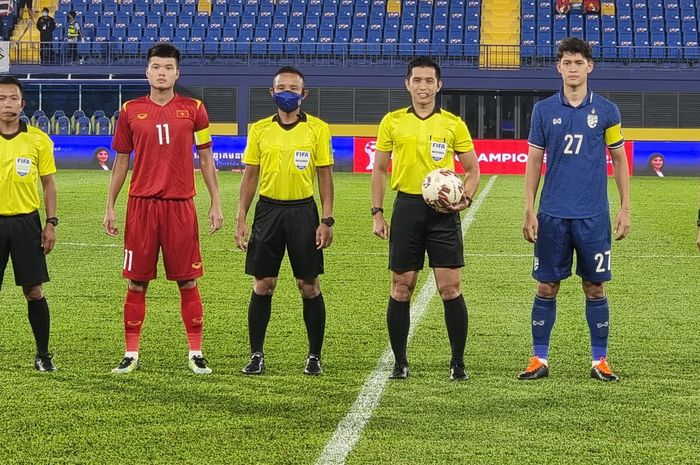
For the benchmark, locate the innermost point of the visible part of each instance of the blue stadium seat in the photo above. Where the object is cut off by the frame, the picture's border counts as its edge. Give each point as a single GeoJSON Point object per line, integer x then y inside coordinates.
{"type": "Point", "coordinates": [82, 126]}
{"type": "Point", "coordinates": [188, 8]}
{"type": "Point", "coordinates": [625, 43]}
{"type": "Point", "coordinates": [43, 123]}
{"type": "Point", "coordinates": [63, 126]}
{"type": "Point", "coordinates": [202, 19]}
{"type": "Point", "coordinates": [102, 126]}
{"type": "Point", "coordinates": [56, 114]}
{"type": "Point", "coordinates": [25, 119]}
{"type": "Point", "coordinates": [157, 7]}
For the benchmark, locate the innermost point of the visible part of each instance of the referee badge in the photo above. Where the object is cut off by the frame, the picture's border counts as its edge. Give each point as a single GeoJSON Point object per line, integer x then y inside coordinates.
{"type": "Point", "coordinates": [23, 166]}
{"type": "Point", "coordinates": [438, 150]}
{"type": "Point", "coordinates": [301, 159]}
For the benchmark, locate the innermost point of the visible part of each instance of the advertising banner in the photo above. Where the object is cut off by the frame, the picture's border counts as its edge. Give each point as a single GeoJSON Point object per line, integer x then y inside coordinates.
{"type": "Point", "coordinates": [94, 152]}
{"type": "Point", "coordinates": [496, 156]}
{"type": "Point", "coordinates": [666, 158]}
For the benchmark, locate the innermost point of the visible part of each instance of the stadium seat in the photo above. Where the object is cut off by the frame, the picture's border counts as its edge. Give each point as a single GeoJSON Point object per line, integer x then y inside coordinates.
{"type": "Point", "coordinates": [82, 126]}
{"type": "Point", "coordinates": [25, 119]}
{"type": "Point", "coordinates": [36, 115]}
{"type": "Point", "coordinates": [63, 126]}
{"type": "Point", "coordinates": [43, 123]}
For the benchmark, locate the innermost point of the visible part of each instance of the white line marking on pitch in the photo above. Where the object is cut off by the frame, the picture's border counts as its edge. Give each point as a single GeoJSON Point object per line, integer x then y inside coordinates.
{"type": "Point", "coordinates": [350, 428]}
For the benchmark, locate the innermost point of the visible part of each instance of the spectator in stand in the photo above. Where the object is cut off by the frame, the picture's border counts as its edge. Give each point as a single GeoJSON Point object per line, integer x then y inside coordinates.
{"type": "Point", "coordinates": [46, 26]}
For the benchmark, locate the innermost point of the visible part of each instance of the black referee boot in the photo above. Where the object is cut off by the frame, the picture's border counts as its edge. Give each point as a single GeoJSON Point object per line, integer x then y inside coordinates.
{"type": "Point", "coordinates": [44, 363]}
{"type": "Point", "coordinates": [400, 371]}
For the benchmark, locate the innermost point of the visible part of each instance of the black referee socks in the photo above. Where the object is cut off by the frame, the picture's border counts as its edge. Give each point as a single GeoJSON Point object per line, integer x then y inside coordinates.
{"type": "Point", "coordinates": [456, 321]}
{"type": "Point", "coordinates": [259, 311]}
{"type": "Point", "coordinates": [315, 321]}
{"type": "Point", "coordinates": [40, 323]}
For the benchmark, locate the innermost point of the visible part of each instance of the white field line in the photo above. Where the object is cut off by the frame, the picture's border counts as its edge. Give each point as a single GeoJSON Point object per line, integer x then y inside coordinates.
{"type": "Point", "coordinates": [350, 428]}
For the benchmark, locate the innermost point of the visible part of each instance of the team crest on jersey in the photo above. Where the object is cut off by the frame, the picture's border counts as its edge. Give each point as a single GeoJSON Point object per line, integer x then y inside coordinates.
{"type": "Point", "coordinates": [301, 159]}
{"type": "Point", "coordinates": [438, 150]}
{"type": "Point", "coordinates": [142, 116]}
{"type": "Point", "coordinates": [592, 119]}
{"type": "Point", "coordinates": [556, 121]}
{"type": "Point", "coordinates": [182, 113]}
{"type": "Point", "coordinates": [23, 166]}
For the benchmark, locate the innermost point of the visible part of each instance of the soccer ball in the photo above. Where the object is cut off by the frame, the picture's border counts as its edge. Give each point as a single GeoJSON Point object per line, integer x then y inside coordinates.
{"type": "Point", "coordinates": [442, 188]}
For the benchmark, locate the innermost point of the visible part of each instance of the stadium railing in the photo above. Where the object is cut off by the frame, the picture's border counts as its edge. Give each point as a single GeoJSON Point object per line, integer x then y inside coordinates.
{"type": "Point", "coordinates": [353, 54]}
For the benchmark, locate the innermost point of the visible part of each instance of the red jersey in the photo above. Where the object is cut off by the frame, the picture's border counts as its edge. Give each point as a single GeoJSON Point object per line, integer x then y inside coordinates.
{"type": "Point", "coordinates": [161, 138]}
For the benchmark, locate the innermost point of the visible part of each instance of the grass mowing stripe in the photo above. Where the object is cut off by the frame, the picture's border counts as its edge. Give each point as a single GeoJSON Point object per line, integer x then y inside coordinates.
{"type": "Point", "coordinates": [350, 427]}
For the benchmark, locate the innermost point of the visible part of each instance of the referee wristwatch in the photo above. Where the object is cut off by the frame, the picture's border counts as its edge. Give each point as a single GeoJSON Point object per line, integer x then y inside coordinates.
{"type": "Point", "coordinates": [330, 221]}
{"type": "Point", "coordinates": [52, 220]}
{"type": "Point", "coordinates": [376, 210]}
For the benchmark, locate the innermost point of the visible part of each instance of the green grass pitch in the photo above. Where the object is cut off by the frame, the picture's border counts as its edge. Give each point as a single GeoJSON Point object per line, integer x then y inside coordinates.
{"type": "Point", "coordinates": [83, 414]}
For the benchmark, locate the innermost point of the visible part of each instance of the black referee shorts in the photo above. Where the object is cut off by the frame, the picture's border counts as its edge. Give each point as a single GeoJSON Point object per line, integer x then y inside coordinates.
{"type": "Point", "coordinates": [279, 224]}
{"type": "Point", "coordinates": [20, 239]}
{"type": "Point", "coordinates": [417, 228]}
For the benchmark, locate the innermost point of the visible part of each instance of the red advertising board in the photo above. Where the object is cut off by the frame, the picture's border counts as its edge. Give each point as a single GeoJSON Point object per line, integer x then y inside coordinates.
{"type": "Point", "coordinates": [496, 156]}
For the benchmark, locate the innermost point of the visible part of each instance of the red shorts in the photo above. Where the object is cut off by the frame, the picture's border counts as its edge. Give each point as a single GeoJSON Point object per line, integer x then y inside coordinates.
{"type": "Point", "coordinates": [154, 224]}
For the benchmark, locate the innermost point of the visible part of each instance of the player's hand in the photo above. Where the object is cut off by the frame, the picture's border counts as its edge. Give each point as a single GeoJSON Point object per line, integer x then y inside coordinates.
{"type": "Point", "coordinates": [324, 236]}
{"type": "Point", "coordinates": [216, 218]}
{"type": "Point", "coordinates": [530, 226]}
{"type": "Point", "coordinates": [380, 227]}
{"type": "Point", "coordinates": [462, 205]}
{"type": "Point", "coordinates": [242, 235]}
{"type": "Point", "coordinates": [698, 241]}
{"type": "Point", "coordinates": [109, 223]}
{"type": "Point", "coordinates": [48, 238]}
{"type": "Point", "coordinates": [622, 224]}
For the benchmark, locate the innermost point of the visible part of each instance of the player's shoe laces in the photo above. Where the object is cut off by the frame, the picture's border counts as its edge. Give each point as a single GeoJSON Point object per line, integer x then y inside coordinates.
{"type": "Point", "coordinates": [256, 365]}
{"type": "Point", "coordinates": [535, 370]}
{"type": "Point", "coordinates": [44, 363]}
{"type": "Point", "coordinates": [313, 365]}
{"type": "Point", "coordinates": [127, 365]}
{"type": "Point", "coordinates": [198, 365]}
{"type": "Point", "coordinates": [400, 371]}
{"type": "Point", "coordinates": [602, 372]}
{"type": "Point", "coordinates": [458, 373]}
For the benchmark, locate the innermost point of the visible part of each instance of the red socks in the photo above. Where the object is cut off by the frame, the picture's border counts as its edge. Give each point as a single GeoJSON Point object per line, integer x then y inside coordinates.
{"type": "Point", "coordinates": [192, 316]}
{"type": "Point", "coordinates": [134, 314]}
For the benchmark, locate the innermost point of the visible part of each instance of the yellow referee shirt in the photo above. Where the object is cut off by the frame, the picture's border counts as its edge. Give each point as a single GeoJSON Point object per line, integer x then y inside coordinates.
{"type": "Point", "coordinates": [421, 145]}
{"type": "Point", "coordinates": [23, 158]}
{"type": "Point", "coordinates": [288, 155]}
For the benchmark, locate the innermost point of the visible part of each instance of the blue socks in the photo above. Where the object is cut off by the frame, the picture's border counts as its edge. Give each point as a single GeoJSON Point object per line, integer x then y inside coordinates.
{"type": "Point", "coordinates": [544, 312]}
{"type": "Point", "coordinates": [598, 316]}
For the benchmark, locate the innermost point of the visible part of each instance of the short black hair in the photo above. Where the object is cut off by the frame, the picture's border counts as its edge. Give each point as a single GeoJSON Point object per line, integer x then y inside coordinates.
{"type": "Point", "coordinates": [163, 50]}
{"type": "Point", "coordinates": [72, 14]}
{"type": "Point", "coordinates": [575, 45]}
{"type": "Point", "coordinates": [13, 81]}
{"type": "Point", "coordinates": [289, 70]}
{"type": "Point", "coordinates": [423, 62]}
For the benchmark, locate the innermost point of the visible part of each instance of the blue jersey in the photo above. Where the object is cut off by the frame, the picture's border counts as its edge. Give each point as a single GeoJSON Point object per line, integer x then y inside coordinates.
{"type": "Point", "coordinates": [574, 139]}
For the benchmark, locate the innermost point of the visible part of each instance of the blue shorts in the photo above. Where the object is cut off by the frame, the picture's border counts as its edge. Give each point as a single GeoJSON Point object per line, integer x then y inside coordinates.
{"type": "Point", "coordinates": [558, 238]}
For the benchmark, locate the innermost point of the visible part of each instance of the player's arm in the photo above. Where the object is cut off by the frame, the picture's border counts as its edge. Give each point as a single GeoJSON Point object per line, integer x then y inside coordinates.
{"type": "Point", "coordinates": [249, 185]}
{"type": "Point", "coordinates": [472, 176]}
{"type": "Point", "coordinates": [48, 234]}
{"type": "Point", "coordinates": [622, 179]}
{"type": "Point", "coordinates": [379, 171]}
{"type": "Point", "coordinates": [116, 182]}
{"type": "Point", "coordinates": [208, 168]}
{"type": "Point", "coordinates": [324, 233]}
{"type": "Point", "coordinates": [533, 168]}
{"type": "Point", "coordinates": [697, 243]}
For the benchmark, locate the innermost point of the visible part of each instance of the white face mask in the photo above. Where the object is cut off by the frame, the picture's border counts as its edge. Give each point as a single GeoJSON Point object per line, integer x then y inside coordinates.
{"type": "Point", "coordinates": [44, 14]}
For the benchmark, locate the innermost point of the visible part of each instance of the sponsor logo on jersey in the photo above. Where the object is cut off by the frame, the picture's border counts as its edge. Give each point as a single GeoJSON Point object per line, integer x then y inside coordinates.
{"type": "Point", "coordinates": [23, 166]}
{"type": "Point", "coordinates": [301, 159]}
{"type": "Point", "coordinates": [197, 265]}
{"type": "Point", "coordinates": [142, 116]}
{"type": "Point", "coordinates": [182, 113]}
{"type": "Point", "coordinates": [556, 121]}
{"type": "Point", "coordinates": [438, 150]}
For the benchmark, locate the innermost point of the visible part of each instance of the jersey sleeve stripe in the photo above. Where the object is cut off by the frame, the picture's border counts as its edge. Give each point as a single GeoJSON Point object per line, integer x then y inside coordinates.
{"type": "Point", "coordinates": [535, 145]}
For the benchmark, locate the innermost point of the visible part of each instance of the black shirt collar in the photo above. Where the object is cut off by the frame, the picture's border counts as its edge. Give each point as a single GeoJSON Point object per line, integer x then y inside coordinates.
{"type": "Point", "coordinates": [22, 128]}
{"type": "Point", "coordinates": [288, 127]}
{"type": "Point", "coordinates": [436, 110]}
